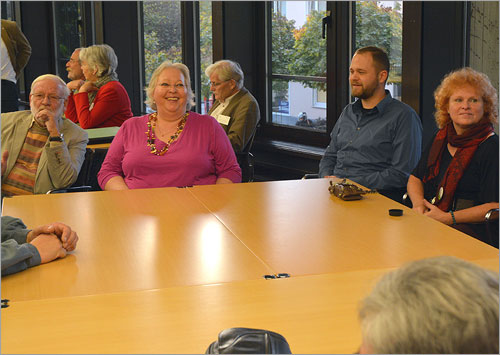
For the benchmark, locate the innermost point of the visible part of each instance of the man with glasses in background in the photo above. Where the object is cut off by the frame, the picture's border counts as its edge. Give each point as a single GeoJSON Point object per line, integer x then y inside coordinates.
{"type": "Point", "coordinates": [235, 108]}
{"type": "Point", "coordinates": [41, 150]}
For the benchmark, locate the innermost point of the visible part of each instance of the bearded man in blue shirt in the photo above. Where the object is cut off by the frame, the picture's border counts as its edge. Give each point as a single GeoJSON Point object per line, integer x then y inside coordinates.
{"type": "Point", "coordinates": [377, 140]}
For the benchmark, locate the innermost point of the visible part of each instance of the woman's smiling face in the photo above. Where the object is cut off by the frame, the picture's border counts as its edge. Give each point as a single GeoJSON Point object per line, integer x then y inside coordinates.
{"type": "Point", "coordinates": [170, 94]}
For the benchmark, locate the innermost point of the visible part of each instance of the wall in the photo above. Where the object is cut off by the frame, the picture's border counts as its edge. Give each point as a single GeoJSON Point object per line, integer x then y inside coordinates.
{"type": "Point", "coordinates": [440, 53]}
{"type": "Point", "coordinates": [484, 40]}
{"type": "Point", "coordinates": [121, 31]}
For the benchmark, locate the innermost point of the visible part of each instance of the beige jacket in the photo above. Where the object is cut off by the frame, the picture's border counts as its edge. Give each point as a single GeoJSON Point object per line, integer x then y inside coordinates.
{"type": "Point", "coordinates": [59, 165]}
{"type": "Point", "coordinates": [244, 114]}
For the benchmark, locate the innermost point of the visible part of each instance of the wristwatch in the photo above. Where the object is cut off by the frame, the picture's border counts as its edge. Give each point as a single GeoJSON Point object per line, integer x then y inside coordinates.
{"type": "Point", "coordinates": [59, 138]}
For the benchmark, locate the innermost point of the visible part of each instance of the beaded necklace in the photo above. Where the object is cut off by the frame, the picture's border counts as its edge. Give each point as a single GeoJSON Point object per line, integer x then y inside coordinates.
{"type": "Point", "coordinates": [150, 133]}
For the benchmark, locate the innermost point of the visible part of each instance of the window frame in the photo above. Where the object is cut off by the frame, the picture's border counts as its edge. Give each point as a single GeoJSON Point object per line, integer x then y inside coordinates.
{"type": "Point", "coordinates": [336, 100]}
{"type": "Point", "coordinates": [340, 48]}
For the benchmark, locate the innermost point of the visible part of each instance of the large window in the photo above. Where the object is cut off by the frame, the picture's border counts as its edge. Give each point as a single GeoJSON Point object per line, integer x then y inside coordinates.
{"type": "Point", "coordinates": [206, 53]}
{"type": "Point", "coordinates": [381, 24]}
{"type": "Point", "coordinates": [162, 34]}
{"type": "Point", "coordinates": [298, 64]}
{"type": "Point", "coordinates": [310, 45]}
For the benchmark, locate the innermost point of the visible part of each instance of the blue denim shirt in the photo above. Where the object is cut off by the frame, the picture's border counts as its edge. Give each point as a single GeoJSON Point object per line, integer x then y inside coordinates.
{"type": "Point", "coordinates": [378, 149]}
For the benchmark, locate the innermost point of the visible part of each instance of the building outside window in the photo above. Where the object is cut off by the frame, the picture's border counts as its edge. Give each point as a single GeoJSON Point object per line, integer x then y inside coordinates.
{"type": "Point", "coordinates": [163, 41]}
{"type": "Point", "coordinates": [299, 62]}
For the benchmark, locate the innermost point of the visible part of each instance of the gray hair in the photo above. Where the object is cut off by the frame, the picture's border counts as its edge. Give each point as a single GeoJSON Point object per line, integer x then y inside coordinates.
{"type": "Point", "coordinates": [441, 305]}
{"type": "Point", "coordinates": [154, 80]}
{"type": "Point", "coordinates": [101, 57]}
{"type": "Point", "coordinates": [77, 49]}
{"type": "Point", "coordinates": [62, 84]}
{"type": "Point", "coordinates": [227, 70]}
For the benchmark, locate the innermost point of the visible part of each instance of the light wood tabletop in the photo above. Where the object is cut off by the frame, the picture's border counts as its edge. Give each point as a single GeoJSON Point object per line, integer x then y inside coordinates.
{"type": "Point", "coordinates": [298, 227]}
{"type": "Point", "coordinates": [129, 240]}
{"type": "Point", "coordinates": [316, 314]}
{"type": "Point", "coordinates": [165, 270]}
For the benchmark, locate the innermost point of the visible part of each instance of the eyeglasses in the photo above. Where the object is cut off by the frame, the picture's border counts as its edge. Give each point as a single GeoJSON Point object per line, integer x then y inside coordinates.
{"type": "Point", "coordinates": [41, 97]}
{"type": "Point", "coordinates": [215, 85]}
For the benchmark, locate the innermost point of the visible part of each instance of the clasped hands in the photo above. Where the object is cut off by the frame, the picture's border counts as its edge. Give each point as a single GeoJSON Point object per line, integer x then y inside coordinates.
{"type": "Point", "coordinates": [429, 210]}
{"type": "Point", "coordinates": [82, 86]}
{"type": "Point", "coordinates": [53, 240]}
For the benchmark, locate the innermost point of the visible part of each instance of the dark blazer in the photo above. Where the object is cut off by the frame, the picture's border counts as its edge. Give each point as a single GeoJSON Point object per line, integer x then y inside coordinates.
{"type": "Point", "coordinates": [17, 45]}
{"type": "Point", "coordinates": [244, 114]}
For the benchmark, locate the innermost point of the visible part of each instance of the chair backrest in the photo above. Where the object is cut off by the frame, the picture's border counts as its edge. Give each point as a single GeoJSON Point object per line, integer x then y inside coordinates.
{"type": "Point", "coordinates": [491, 219]}
{"type": "Point", "coordinates": [87, 178]}
{"type": "Point", "coordinates": [70, 189]}
{"type": "Point", "coordinates": [249, 341]}
{"type": "Point", "coordinates": [246, 160]}
{"type": "Point", "coordinates": [95, 166]}
{"type": "Point", "coordinates": [85, 169]}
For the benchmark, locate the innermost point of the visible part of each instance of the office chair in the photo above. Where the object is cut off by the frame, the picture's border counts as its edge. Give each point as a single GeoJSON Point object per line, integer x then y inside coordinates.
{"type": "Point", "coordinates": [310, 176]}
{"type": "Point", "coordinates": [249, 341]}
{"type": "Point", "coordinates": [70, 189]}
{"type": "Point", "coordinates": [246, 160]}
{"type": "Point", "coordinates": [95, 166]}
{"type": "Point", "coordinates": [491, 220]}
{"type": "Point", "coordinates": [87, 178]}
{"type": "Point", "coordinates": [81, 181]}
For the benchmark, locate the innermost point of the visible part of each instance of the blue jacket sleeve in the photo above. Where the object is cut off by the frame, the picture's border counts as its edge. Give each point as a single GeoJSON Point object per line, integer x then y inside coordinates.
{"type": "Point", "coordinates": [14, 228]}
{"type": "Point", "coordinates": [17, 255]}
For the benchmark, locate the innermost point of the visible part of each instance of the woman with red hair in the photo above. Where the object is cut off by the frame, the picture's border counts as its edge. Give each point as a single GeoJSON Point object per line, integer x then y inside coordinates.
{"type": "Point", "coordinates": [456, 180]}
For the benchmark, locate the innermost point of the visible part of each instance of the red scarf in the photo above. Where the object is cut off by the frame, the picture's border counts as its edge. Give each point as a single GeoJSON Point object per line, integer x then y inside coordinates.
{"type": "Point", "coordinates": [467, 145]}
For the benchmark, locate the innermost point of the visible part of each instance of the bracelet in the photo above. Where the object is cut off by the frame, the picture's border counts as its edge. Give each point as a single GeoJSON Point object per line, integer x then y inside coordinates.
{"type": "Point", "coordinates": [453, 217]}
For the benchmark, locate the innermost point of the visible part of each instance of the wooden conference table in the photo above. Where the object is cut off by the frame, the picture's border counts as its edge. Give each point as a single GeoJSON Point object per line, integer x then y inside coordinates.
{"type": "Point", "coordinates": [164, 270]}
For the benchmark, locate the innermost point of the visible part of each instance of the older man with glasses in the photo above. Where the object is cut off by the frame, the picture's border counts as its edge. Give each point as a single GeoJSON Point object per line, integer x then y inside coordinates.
{"type": "Point", "coordinates": [235, 108]}
{"type": "Point", "coordinates": [41, 150]}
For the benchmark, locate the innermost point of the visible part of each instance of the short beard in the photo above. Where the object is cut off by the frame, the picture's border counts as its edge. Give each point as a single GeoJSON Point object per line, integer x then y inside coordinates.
{"type": "Point", "coordinates": [366, 93]}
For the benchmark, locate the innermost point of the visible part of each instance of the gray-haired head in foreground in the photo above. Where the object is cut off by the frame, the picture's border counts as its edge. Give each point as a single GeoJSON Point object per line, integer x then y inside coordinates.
{"type": "Point", "coordinates": [101, 57]}
{"type": "Point", "coordinates": [226, 70]}
{"type": "Point", "coordinates": [440, 305]}
{"type": "Point", "coordinates": [154, 80]}
{"type": "Point", "coordinates": [62, 85]}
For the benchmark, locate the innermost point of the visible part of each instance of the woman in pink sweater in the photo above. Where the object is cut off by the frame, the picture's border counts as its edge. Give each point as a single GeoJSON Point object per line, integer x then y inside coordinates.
{"type": "Point", "coordinates": [172, 146]}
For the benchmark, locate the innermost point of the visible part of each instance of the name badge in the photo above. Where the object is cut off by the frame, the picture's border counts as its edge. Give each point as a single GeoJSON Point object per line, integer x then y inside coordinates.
{"type": "Point", "coordinates": [223, 119]}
